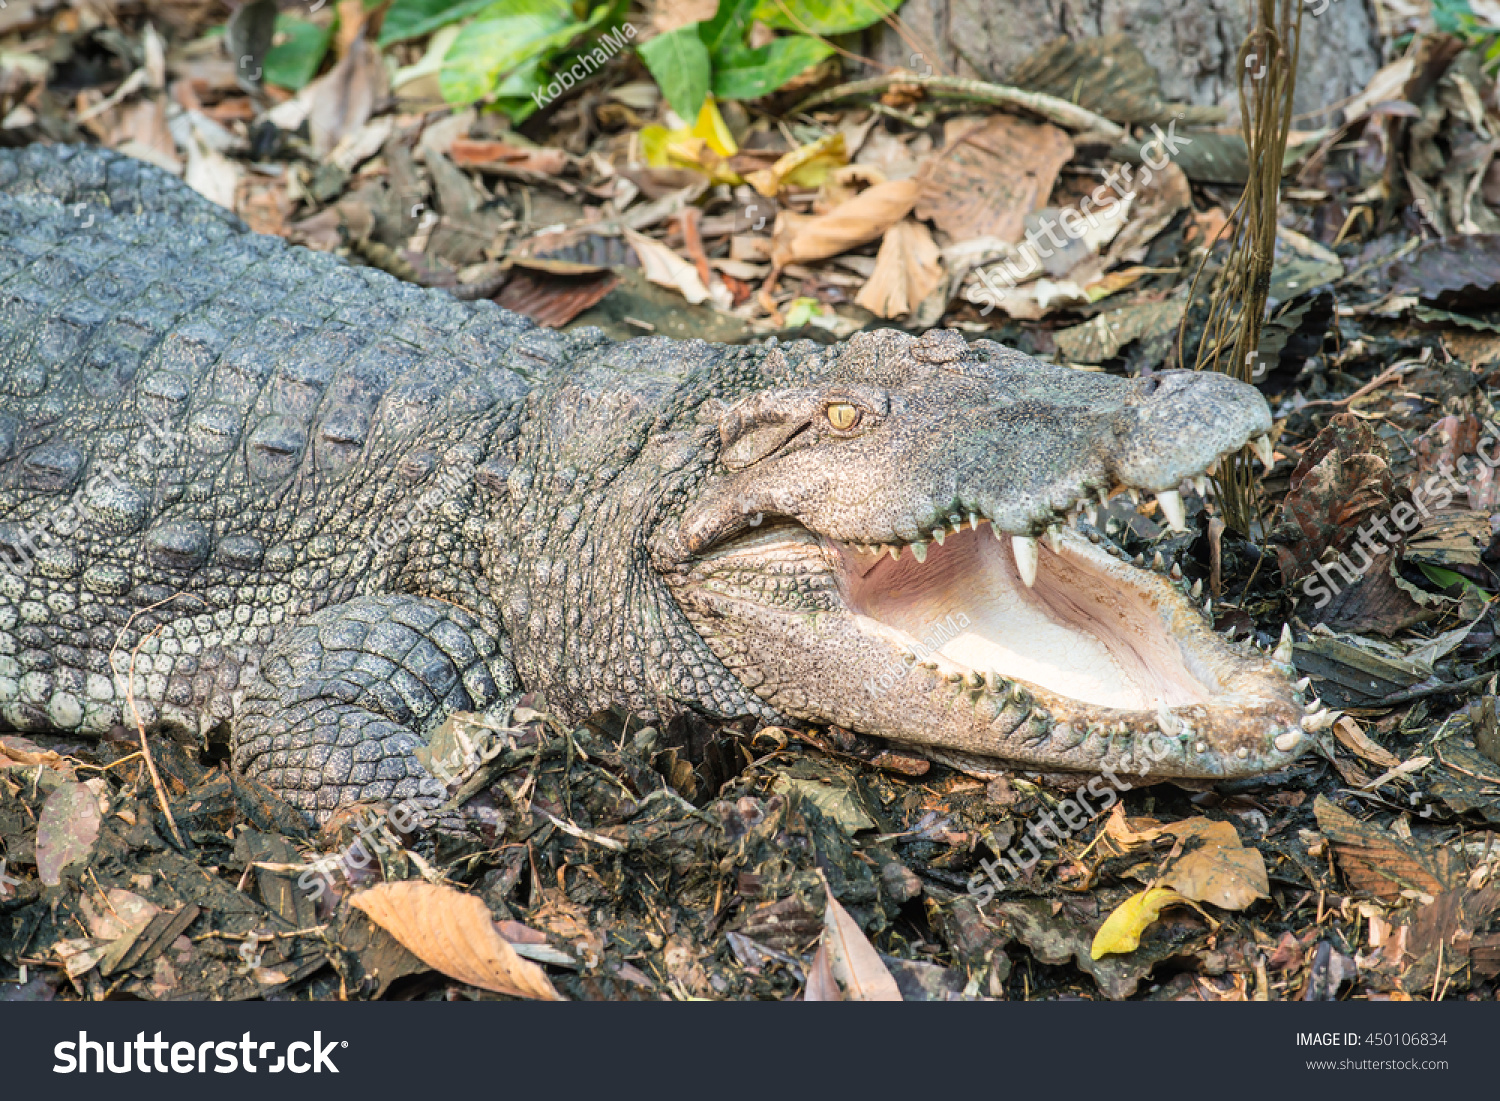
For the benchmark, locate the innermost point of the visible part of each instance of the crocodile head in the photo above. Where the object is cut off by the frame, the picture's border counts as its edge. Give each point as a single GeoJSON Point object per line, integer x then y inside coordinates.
{"type": "Point", "coordinates": [885, 541]}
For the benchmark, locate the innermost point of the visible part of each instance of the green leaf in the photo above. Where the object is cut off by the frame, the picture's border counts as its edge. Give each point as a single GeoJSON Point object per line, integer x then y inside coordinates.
{"type": "Point", "coordinates": [823, 16]}
{"type": "Point", "coordinates": [504, 37]}
{"type": "Point", "coordinates": [412, 18]}
{"type": "Point", "coordinates": [724, 34]}
{"type": "Point", "coordinates": [679, 61]}
{"type": "Point", "coordinates": [294, 62]}
{"type": "Point", "coordinates": [1446, 579]}
{"type": "Point", "coordinates": [755, 73]}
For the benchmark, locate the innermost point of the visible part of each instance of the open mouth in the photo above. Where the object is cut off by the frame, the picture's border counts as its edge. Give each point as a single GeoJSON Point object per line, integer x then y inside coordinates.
{"type": "Point", "coordinates": [1082, 628]}
{"type": "Point", "coordinates": [1053, 652]}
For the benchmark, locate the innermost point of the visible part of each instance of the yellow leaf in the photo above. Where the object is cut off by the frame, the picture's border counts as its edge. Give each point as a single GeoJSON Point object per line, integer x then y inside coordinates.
{"type": "Point", "coordinates": [807, 166]}
{"type": "Point", "coordinates": [712, 128]}
{"type": "Point", "coordinates": [1121, 931]}
{"type": "Point", "coordinates": [663, 148]}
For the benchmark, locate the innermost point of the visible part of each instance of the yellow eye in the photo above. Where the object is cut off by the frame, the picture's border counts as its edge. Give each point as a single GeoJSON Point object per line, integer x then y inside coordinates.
{"type": "Point", "coordinates": [842, 415]}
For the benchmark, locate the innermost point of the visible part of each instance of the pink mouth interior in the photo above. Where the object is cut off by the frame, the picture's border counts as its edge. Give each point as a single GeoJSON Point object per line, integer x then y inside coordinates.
{"type": "Point", "coordinates": [1079, 631]}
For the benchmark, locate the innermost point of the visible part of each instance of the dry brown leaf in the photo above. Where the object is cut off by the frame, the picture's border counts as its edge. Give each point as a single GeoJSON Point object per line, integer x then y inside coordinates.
{"type": "Point", "coordinates": [452, 932]}
{"type": "Point", "coordinates": [475, 153]}
{"type": "Point", "coordinates": [665, 268]}
{"type": "Point", "coordinates": [863, 218]}
{"type": "Point", "coordinates": [992, 173]}
{"type": "Point", "coordinates": [852, 959]}
{"type": "Point", "coordinates": [210, 173]}
{"type": "Point", "coordinates": [907, 270]}
{"type": "Point", "coordinates": [1220, 869]}
{"type": "Point", "coordinates": [342, 100]}
{"type": "Point", "coordinates": [1347, 731]}
{"type": "Point", "coordinates": [821, 986]}
{"type": "Point", "coordinates": [66, 831]}
{"type": "Point", "coordinates": [1376, 860]}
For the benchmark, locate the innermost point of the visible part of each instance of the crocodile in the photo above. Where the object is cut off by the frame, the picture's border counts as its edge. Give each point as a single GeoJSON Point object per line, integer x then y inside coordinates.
{"type": "Point", "coordinates": [252, 493]}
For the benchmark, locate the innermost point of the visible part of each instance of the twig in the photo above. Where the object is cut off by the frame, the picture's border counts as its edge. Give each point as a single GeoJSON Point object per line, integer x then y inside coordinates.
{"type": "Point", "coordinates": [161, 791]}
{"type": "Point", "coordinates": [1051, 108]}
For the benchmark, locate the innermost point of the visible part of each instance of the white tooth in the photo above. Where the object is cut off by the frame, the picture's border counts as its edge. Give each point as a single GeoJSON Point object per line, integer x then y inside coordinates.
{"type": "Point", "coordinates": [1054, 539]}
{"type": "Point", "coordinates": [1092, 513]}
{"type": "Point", "coordinates": [1242, 753]}
{"type": "Point", "coordinates": [1288, 741]}
{"type": "Point", "coordinates": [1212, 468]}
{"type": "Point", "coordinates": [938, 535]}
{"type": "Point", "coordinates": [1261, 445]}
{"type": "Point", "coordinates": [1319, 720]}
{"type": "Point", "coordinates": [1026, 552]}
{"type": "Point", "coordinates": [1171, 507]}
{"type": "Point", "coordinates": [1158, 563]}
{"type": "Point", "coordinates": [1197, 589]}
{"type": "Point", "coordinates": [1304, 684]}
{"type": "Point", "coordinates": [1283, 651]}
{"type": "Point", "coordinates": [957, 527]}
{"type": "Point", "coordinates": [919, 551]}
{"type": "Point", "coordinates": [996, 532]}
{"type": "Point", "coordinates": [973, 522]}
{"type": "Point", "coordinates": [1134, 494]}
{"type": "Point", "coordinates": [1200, 486]}
{"type": "Point", "coordinates": [894, 551]}
{"type": "Point", "coordinates": [1208, 610]}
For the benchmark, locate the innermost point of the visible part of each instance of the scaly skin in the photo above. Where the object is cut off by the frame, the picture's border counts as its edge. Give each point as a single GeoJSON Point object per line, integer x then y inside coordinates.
{"type": "Point", "coordinates": [322, 509]}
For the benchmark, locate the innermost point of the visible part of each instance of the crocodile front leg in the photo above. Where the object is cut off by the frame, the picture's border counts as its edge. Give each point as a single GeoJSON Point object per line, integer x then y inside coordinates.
{"type": "Point", "coordinates": [343, 698]}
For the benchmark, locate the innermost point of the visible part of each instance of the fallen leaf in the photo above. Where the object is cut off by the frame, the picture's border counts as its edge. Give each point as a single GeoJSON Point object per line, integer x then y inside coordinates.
{"type": "Point", "coordinates": [821, 986]}
{"type": "Point", "coordinates": [805, 166]}
{"type": "Point", "coordinates": [473, 153]}
{"type": "Point", "coordinates": [1376, 860]}
{"type": "Point", "coordinates": [1217, 868]}
{"type": "Point", "coordinates": [452, 932]}
{"type": "Point", "coordinates": [907, 270]}
{"type": "Point", "coordinates": [863, 218]}
{"type": "Point", "coordinates": [210, 173]}
{"type": "Point", "coordinates": [665, 268]}
{"type": "Point", "coordinates": [342, 101]}
{"type": "Point", "coordinates": [65, 831]}
{"type": "Point", "coordinates": [1102, 337]}
{"type": "Point", "coordinates": [852, 959]}
{"type": "Point", "coordinates": [1121, 931]}
{"type": "Point", "coordinates": [992, 173]}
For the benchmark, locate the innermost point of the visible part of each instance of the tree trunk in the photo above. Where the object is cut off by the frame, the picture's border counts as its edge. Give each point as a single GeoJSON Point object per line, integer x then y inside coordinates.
{"type": "Point", "coordinates": [1193, 45]}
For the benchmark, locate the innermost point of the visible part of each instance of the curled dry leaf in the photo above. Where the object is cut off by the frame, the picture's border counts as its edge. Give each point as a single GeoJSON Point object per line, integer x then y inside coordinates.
{"type": "Point", "coordinates": [452, 932]}
{"type": "Point", "coordinates": [1121, 931]}
{"type": "Point", "coordinates": [666, 269]}
{"type": "Point", "coordinates": [342, 101]}
{"type": "Point", "coordinates": [852, 959]}
{"type": "Point", "coordinates": [991, 174]}
{"type": "Point", "coordinates": [907, 270]}
{"type": "Point", "coordinates": [863, 218]}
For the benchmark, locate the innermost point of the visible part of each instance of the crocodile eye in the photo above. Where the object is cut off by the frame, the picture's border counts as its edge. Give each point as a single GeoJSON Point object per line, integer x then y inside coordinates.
{"type": "Point", "coordinates": [842, 415]}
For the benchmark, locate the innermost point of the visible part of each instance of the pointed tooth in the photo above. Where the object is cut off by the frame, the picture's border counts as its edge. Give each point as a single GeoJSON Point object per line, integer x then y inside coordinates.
{"type": "Point", "coordinates": [1026, 553]}
{"type": "Point", "coordinates": [1212, 468]}
{"type": "Point", "coordinates": [1200, 486]}
{"type": "Point", "coordinates": [996, 532]}
{"type": "Point", "coordinates": [1158, 563]}
{"type": "Point", "coordinates": [1197, 589]}
{"type": "Point", "coordinates": [1171, 507]}
{"type": "Point", "coordinates": [973, 522]}
{"type": "Point", "coordinates": [974, 679]}
{"type": "Point", "coordinates": [1053, 536]}
{"type": "Point", "coordinates": [1287, 742]}
{"type": "Point", "coordinates": [1134, 495]}
{"type": "Point", "coordinates": [1092, 513]}
{"type": "Point", "coordinates": [919, 551]}
{"type": "Point", "coordinates": [1283, 651]}
{"type": "Point", "coordinates": [994, 681]}
{"type": "Point", "coordinates": [1208, 610]}
{"type": "Point", "coordinates": [1261, 445]}
{"type": "Point", "coordinates": [894, 551]}
{"type": "Point", "coordinates": [1139, 561]}
{"type": "Point", "coordinates": [1175, 573]}
{"type": "Point", "coordinates": [938, 535]}
{"type": "Point", "coordinates": [1319, 720]}
{"type": "Point", "coordinates": [1304, 684]}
